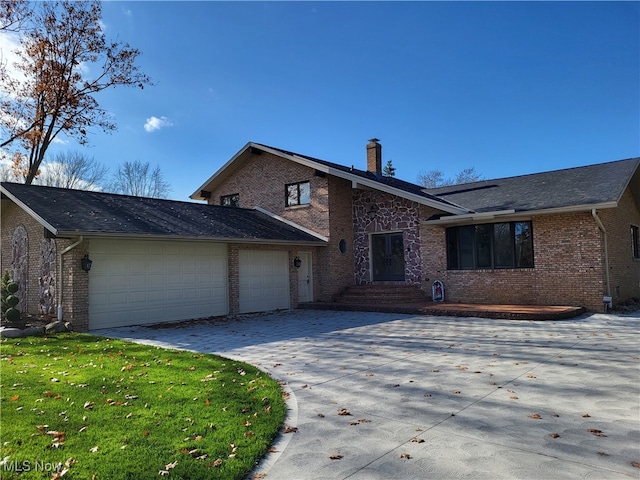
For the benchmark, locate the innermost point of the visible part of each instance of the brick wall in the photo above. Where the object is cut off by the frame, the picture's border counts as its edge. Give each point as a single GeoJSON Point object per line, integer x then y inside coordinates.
{"type": "Point", "coordinates": [568, 267]}
{"type": "Point", "coordinates": [75, 281]}
{"type": "Point", "coordinates": [624, 271]}
{"type": "Point", "coordinates": [260, 181]}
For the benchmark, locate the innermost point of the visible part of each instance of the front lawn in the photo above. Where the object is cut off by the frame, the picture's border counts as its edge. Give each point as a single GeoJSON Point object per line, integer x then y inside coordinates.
{"type": "Point", "coordinates": [91, 407]}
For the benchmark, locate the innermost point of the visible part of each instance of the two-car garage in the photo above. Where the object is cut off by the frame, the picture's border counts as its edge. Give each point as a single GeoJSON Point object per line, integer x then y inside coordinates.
{"type": "Point", "coordinates": [135, 282]}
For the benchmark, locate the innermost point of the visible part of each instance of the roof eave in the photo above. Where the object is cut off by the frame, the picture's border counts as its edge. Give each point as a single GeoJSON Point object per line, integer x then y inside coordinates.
{"type": "Point", "coordinates": [133, 236]}
{"type": "Point", "coordinates": [514, 215]}
{"type": "Point", "coordinates": [354, 179]}
{"type": "Point", "coordinates": [29, 211]}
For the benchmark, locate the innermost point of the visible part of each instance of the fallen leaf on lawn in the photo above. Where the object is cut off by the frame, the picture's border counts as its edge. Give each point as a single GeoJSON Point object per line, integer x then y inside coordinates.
{"type": "Point", "coordinates": [335, 457]}
{"type": "Point", "coordinates": [88, 405]}
{"type": "Point", "coordinates": [60, 474]}
{"type": "Point", "coordinates": [171, 465]}
{"type": "Point", "coordinates": [417, 440]}
{"type": "Point", "coordinates": [531, 376]}
{"type": "Point", "coordinates": [289, 429]}
{"type": "Point", "coordinates": [364, 420]}
{"type": "Point", "coordinates": [343, 411]}
{"type": "Point", "coordinates": [354, 423]}
{"type": "Point", "coordinates": [94, 449]}
{"type": "Point", "coordinates": [513, 397]}
{"type": "Point", "coordinates": [320, 415]}
{"type": "Point", "coordinates": [596, 432]}
{"type": "Point", "coordinates": [635, 464]}
{"type": "Point", "coordinates": [82, 429]}
{"type": "Point", "coordinates": [207, 402]}
{"type": "Point", "coordinates": [555, 415]}
{"type": "Point", "coordinates": [457, 392]}
{"type": "Point", "coordinates": [554, 435]}
{"type": "Point", "coordinates": [249, 434]}
{"type": "Point", "coordinates": [42, 427]}
{"type": "Point", "coordinates": [427, 395]}
{"type": "Point", "coordinates": [369, 374]}
{"type": "Point", "coordinates": [202, 457]}
{"type": "Point", "coordinates": [163, 473]}
{"type": "Point", "coordinates": [585, 415]}
{"type": "Point", "coordinates": [216, 463]}
{"type": "Point", "coordinates": [259, 475]}
{"type": "Point", "coordinates": [405, 455]}
{"type": "Point", "coordinates": [14, 398]}
{"type": "Point", "coordinates": [535, 416]}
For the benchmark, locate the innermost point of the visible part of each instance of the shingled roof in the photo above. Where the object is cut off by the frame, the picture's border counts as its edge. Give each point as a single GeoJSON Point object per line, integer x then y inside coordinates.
{"type": "Point", "coordinates": [67, 212]}
{"type": "Point", "coordinates": [592, 186]}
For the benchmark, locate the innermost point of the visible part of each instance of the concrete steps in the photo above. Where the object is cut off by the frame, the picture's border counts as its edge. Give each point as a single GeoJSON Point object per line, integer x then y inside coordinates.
{"type": "Point", "coordinates": [381, 295]}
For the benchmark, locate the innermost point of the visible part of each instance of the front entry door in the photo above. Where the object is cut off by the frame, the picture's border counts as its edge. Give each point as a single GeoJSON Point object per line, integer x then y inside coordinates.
{"type": "Point", "coordinates": [305, 278]}
{"type": "Point", "coordinates": [388, 257]}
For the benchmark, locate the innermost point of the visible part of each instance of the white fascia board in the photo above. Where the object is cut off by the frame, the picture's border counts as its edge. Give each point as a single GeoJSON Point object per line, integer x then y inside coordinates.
{"type": "Point", "coordinates": [31, 213]}
{"type": "Point", "coordinates": [292, 224]}
{"type": "Point", "coordinates": [158, 238]}
{"type": "Point", "coordinates": [196, 195]}
{"type": "Point", "coordinates": [355, 179]}
{"type": "Point", "coordinates": [359, 181]}
{"type": "Point", "coordinates": [512, 214]}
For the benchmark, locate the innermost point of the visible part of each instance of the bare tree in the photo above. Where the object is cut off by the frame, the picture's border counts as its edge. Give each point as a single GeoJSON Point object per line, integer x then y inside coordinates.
{"type": "Point", "coordinates": [52, 94]}
{"type": "Point", "coordinates": [139, 179]}
{"type": "Point", "coordinates": [72, 170]}
{"type": "Point", "coordinates": [435, 178]}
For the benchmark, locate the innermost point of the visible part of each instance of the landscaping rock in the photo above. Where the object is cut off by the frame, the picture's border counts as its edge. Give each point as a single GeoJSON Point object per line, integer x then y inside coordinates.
{"type": "Point", "coordinates": [33, 332]}
{"type": "Point", "coordinates": [11, 332]}
{"type": "Point", "coordinates": [58, 327]}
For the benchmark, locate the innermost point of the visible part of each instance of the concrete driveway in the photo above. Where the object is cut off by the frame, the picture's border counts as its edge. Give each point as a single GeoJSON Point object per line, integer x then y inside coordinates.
{"type": "Point", "coordinates": [438, 397]}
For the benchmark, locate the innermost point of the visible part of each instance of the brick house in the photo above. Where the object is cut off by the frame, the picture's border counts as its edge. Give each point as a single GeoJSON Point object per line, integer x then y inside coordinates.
{"type": "Point", "coordinates": [279, 228]}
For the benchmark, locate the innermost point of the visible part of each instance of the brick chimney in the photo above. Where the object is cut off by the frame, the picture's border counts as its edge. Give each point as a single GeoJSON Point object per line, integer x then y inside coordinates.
{"type": "Point", "coordinates": [374, 157]}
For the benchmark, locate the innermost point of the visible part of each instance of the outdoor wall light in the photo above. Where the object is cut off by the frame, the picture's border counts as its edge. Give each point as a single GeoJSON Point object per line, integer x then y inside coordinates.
{"type": "Point", "coordinates": [372, 212]}
{"type": "Point", "coordinates": [297, 262]}
{"type": "Point", "coordinates": [86, 262]}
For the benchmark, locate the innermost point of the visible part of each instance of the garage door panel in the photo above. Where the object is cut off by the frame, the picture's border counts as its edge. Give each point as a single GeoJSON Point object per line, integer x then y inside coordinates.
{"type": "Point", "coordinates": [263, 280]}
{"type": "Point", "coordinates": [135, 282]}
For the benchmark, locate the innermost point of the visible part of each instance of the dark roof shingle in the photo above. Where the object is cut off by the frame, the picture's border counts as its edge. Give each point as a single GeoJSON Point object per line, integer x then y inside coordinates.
{"type": "Point", "coordinates": [81, 212]}
{"type": "Point", "coordinates": [579, 186]}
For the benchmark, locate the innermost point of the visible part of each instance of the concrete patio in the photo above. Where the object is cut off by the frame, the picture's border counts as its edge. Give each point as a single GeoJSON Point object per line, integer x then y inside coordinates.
{"type": "Point", "coordinates": [388, 395]}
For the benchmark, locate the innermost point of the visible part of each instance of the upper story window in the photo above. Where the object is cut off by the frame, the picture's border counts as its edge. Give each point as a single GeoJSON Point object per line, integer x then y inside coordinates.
{"type": "Point", "coordinates": [489, 246]}
{"type": "Point", "coordinates": [635, 241]}
{"type": "Point", "coordinates": [230, 200]}
{"type": "Point", "coordinates": [298, 194]}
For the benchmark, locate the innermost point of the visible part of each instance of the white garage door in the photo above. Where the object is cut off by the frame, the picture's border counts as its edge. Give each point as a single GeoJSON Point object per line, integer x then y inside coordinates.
{"type": "Point", "coordinates": [133, 282]}
{"type": "Point", "coordinates": [264, 280]}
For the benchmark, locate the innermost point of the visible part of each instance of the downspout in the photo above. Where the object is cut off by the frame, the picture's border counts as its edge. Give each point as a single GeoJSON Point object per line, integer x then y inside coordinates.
{"type": "Point", "coordinates": [60, 283]}
{"type": "Point", "coordinates": [606, 249]}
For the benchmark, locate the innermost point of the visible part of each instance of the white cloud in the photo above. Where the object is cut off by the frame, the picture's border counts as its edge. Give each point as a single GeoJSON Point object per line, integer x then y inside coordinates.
{"type": "Point", "coordinates": [9, 43]}
{"type": "Point", "coordinates": [155, 123]}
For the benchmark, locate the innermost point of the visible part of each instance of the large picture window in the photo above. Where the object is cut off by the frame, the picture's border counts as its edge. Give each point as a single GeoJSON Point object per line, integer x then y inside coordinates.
{"type": "Point", "coordinates": [489, 246]}
{"type": "Point", "coordinates": [635, 241]}
{"type": "Point", "coordinates": [298, 194]}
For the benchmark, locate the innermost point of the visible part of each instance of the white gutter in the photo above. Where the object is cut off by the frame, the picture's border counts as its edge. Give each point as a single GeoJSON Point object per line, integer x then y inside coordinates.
{"type": "Point", "coordinates": [606, 249]}
{"type": "Point", "coordinates": [454, 219]}
{"type": "Point", "coordinates": [59, 286]}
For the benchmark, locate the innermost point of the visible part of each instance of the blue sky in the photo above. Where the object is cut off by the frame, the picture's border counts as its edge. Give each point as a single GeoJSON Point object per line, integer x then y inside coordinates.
{"type": "Point", "coordinates": [506, 87]}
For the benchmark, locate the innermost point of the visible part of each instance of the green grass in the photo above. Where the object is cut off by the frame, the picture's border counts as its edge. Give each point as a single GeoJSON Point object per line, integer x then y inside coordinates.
{"type": "Point", "coordinates": [110, 409]}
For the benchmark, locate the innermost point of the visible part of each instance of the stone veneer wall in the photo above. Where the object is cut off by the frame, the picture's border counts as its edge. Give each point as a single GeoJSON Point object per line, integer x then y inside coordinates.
{"type": "Point", "coordinates": [393, 214]}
